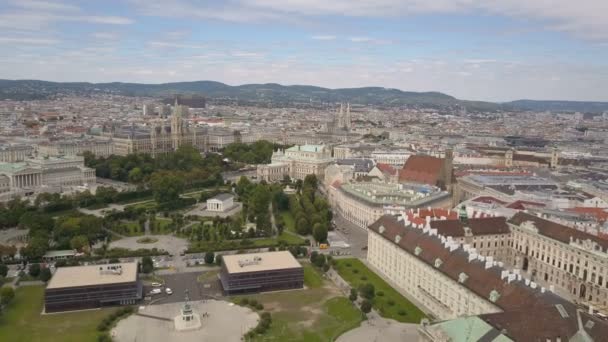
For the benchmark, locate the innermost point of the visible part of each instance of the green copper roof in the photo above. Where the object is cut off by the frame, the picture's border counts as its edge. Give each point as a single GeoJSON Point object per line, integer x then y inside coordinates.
{"type": "Point", "coordinates": [469, 329]}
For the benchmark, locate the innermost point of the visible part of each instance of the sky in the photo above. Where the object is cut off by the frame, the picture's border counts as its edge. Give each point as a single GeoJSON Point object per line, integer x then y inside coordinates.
{"type": "Point", "coordinates": [491, 50]}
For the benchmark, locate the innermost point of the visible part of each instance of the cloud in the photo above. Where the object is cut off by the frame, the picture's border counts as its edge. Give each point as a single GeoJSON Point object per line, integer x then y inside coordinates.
{"type": "Point", "coordinates": [162, 44]}
{"type": "Point", "coordinates": [43, 5]}
{"type": "Point", "coordinates": [359, 39]}
{"type": "Point", "coordinates": [322, 37]}
{"type": "Point", "coordinates": [28, 41]}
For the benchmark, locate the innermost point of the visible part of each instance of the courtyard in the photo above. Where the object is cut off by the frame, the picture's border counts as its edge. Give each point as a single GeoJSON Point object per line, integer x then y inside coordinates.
{"type": "Point", "coordinates": [223, 322]}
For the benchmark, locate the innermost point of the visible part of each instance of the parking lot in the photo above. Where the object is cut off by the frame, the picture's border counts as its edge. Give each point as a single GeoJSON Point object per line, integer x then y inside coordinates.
{"type": "Point", "coordinates": [179, 283]}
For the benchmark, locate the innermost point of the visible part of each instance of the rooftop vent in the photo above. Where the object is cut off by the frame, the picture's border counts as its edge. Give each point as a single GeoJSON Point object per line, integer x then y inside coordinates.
{"type": "Point", "coordinates": [397, 238]}
{"type": "Point", "coordinates": [111, 269]}
{"type": "Point", "coordinates": [438, 262]}
{"type": "Point", "coordinates": [418, 250]}
{"type": "Point", "coordinates": [381, 229]}
{"type": "Point", "coordinates": [248, 262]}
{"type": "Point", "coordinates": [562, 311]}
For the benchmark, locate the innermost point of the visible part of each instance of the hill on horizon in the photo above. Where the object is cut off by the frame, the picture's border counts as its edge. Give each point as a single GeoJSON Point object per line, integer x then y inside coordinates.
{"type": "Point", "coordinates": [277, 94]}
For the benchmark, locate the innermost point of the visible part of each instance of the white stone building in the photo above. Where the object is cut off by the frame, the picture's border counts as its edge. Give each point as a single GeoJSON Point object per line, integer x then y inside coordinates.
{"type": "Point", "coordinates": [220, 203]}
{"type": "Point", "coordinates": [296, 162]}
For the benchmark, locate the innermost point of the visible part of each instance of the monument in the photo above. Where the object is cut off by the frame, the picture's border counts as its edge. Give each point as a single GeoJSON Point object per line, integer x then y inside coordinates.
{"type": "Point", "coordinates": [187, 319]}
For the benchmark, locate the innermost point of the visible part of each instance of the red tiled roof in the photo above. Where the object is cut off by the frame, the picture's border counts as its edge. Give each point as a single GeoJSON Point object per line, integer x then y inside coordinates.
{"type": "Point", "coordinates": [600, 214]}
{"type": "Point", "coordinates": [555, 230]}
{"type": "Point", "coordinates": [421, 169]}
{"type": "Point", "coordinates": [478, 226]}
{"type": "Point", "coordinates": [521, 205]}
{"type": "Point", "coordinates": [386, 168]}
{"type": "Point", "coordinates": [488, 199]}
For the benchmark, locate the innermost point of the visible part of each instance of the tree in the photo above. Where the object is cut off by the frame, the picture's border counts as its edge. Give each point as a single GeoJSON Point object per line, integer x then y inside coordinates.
{"type": "Point", "coordinates": [6, 295]}
{"type": "Point", "coordinates": [79, 243]}
{"type": "Point", "coordinates": [319, 261]}
{"type": "Point", "coordinates": [166, 186]}
{"type": "Point", "coordinates": [353, 295]}
{"type": "Point", "coordinates": [209, 258]}
{"type": "Point", "coordinates": [367, 291]}
{"type": "Point", "coordinates": [45, 274]}
{"type": "Point", "coordinates": [136, 175]}
{"type": "Point", "coordinates": [366, 306]}
{"type": "Point", "coordinates": [3, 270]}
{"type": "Point", "coordinates": [218, 259]}
{"type": "Point", "coordinates": [147, 266]}
{"type": "Point", "coordinates": [319, 232]}
{"type": "Point", "coordinates": [311, 181]}
{"type": "Point", "coordinates": [36, 247]}
{"type": "Point", "coordinates": [34, 270]}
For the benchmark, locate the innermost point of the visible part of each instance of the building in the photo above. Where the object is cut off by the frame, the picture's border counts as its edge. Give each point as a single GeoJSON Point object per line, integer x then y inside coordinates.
{"type": "Point", "coordinates": [159, 138]}
{"type": "Point", "coordinates": [221, 202]}
{"type": "Point", "coordinates": [341, 122]}
{"type": "Point", "coordinates": [296, 162]}
{"type": "Point", "coordinates": [44, 174]}
{"type": "Point", "coordinates": [473, 297]}
{"type": "Point", "coordinates": [59, 255]}
{"type": "Point", "coordinates": [100, 148]}
{"type": "Point", "coordinates": [429, 170]}
{"type": "Point", "coordinates": [148, 109]}
{"type": "Point", "coordinates": [89, 287]}
{"type": "Point", "coordinates": [362, 203]}
{"type": "Point", "coordinates": [15, 153]}
{"type": "Point", "coordinates": [394, 158]}
{"type": "Point", "coordinates": [260, 272]}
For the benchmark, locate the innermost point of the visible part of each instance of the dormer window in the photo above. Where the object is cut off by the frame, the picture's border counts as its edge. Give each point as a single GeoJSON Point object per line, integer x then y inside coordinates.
{"type": "Point", "coordinates": [397, 238]}
{"type": "Point", "coordinates": [381, 229]}
{"type": "Point", "coordinates": [438, 262]}
{"type": "Point", "coordinates": [462, 277]}
{"type": "Point", "coordinates": [418, 250]}
{"type": "Point", "coordinates": [494, 295]}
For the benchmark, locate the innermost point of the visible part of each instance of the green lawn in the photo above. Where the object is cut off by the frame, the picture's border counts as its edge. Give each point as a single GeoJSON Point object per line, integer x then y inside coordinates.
{"type": "Point", "coordinates": [380, 303]}
{"type": "Point", "coordinates": [22, 321]}
{"type": "Point", "coordinates": [286, 238]}
{"type": "Point", "coordinates": [316, 314]}
{"type": "Point", "coordinates": [312, 278]}
{"type": "Point", "coordinates": [290, 224]}
{"type": "Point", "coordinates": [162, 226]}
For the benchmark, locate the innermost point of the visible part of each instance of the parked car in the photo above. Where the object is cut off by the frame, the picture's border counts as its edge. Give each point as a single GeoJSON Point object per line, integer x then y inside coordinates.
{"type": "Point", "coordinates": [168, 291]}
{"type": "Point", "coordinates": [155, 291]}
{"type": "Point", "coordinates": [157, 284]}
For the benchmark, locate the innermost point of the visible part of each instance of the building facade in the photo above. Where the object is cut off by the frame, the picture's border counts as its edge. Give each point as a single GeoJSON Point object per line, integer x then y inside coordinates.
{"type": "Point", "coordinates": [89, 287]}
{"type": "Point", "coordinates": [296, 162]}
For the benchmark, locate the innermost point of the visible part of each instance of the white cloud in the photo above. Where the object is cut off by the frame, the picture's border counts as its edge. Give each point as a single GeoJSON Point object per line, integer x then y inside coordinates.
{"type": "Point", "coordinates": [43, 5]}
{"type": "Point", "coordinates": [323, 37]}
{"type": "Point", "coordinates": [359, 39]}
{"type": "Point", "coordinates": [584, 18]}
{"type": "Point", "coordinates": [162, 44]}
{"type": "Point", "coordinates": [28, 41]}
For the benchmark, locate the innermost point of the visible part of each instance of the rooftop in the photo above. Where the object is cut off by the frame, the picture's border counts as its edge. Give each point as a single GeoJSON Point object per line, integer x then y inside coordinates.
{"type": "Point", "coordinates": [79, 276]}
{"type": "Point", "coordinates": [222, 197]}
{"type": "Point", "coordinates": [256, 262]}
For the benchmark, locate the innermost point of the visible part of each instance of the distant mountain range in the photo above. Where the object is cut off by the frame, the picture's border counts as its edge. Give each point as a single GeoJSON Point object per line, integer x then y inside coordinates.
{"type": "Point", "coordinates": [276, 94]}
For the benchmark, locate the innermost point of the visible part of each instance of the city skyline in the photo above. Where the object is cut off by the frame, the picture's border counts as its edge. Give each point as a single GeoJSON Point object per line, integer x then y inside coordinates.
{"type": "Point", "coordinates": [499, 52]}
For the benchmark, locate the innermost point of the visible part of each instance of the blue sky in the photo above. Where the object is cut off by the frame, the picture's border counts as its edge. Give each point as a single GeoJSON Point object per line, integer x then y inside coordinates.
{"type": "Point", "coordinates": [496, 50]}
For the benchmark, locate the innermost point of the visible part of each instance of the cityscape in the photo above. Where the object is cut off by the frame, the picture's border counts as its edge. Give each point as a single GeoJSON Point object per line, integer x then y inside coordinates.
{"type": "Point", "coordinates": [303, 171]}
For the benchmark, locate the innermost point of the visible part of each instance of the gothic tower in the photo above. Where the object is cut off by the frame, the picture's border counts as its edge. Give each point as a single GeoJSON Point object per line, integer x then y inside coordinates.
{"type": "Point", "coordinates": [554, 158]}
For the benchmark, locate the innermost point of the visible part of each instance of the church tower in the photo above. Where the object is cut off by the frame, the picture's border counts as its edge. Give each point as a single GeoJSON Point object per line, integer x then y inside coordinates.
{"type": "Point", "coordinates": [348, 120]}
{"type": "Point", "coordinates": [176, 125]}
{"type": "Point", "coordinates": [554, 158]}
{"type": "Point", "coordinates": [509, 158]}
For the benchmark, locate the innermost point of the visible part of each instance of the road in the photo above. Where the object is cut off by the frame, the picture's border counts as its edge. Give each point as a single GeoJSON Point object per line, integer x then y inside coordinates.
{"type": "Point", "coordinates": [355, 236]}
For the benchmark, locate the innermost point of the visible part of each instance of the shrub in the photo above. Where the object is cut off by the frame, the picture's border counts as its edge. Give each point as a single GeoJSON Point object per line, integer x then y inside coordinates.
{"type": "Point", "coordinates": [34, 270]}
{"type": "Point", "coordinates": [364, 278]}
{"type": "Point", "coordinates": [380, 294]}
{"type": "Point", "coordinates": [105, 337]}
{"type": "Point", "coordinates": [390, 302]}
{"type": "Point", "coordinates": [366, 306]}
{"type": "Point", "coordinates": [259, 306]}
{"type": "Point", "coordinates": [6, 295]}
{"type": "Point", "coordinates": [355, 271]}
{"type": "Point", "coordinates": [253, 303]}
{"type": "Point", "coordinates": [367, 291]}
{"type": "Point", "coordinates": [348, 264]}
{"type": "Point", "coordinates": [401, 312]}
{"type": "Point", "coordinates": [244, 301]}
{"type": "Point", "coordinates": [45, 274]}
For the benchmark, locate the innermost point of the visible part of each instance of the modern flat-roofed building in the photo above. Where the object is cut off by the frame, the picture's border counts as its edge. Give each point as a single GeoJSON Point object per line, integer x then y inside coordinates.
{"type": "Point", "coordinates": [88, 287]}
{"type": "Point", "coordinates": [259, 272]}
